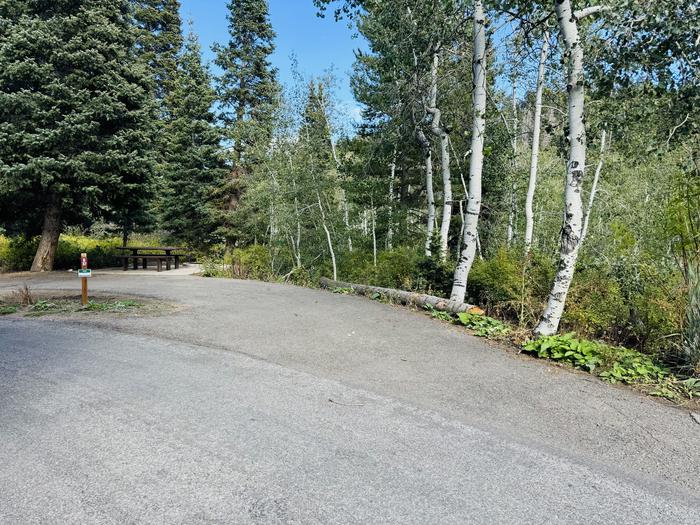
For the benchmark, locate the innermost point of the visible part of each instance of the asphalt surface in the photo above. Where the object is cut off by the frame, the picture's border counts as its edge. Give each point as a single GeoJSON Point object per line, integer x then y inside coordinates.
{"type": "Point", "coordinates": [264, 403]}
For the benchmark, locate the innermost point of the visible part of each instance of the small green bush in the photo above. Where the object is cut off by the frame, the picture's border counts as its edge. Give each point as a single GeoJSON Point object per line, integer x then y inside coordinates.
{"type": "Point", "coordinates": [510, 286]}
{"type": "Point", "coordinates": [251, 262]}
{"type": "Point", "coordinates": [482, 325]}
{"type": "Point", "coordinates": [8, 309]}
{"type": "Point", "coordinates": [691, 335]}
{"type": "Point", "coordinates": [614, 364]}
{"type": "Point", "coordinates": [17, 254]}
{"type": "Point", "coordinates": [403, 268]}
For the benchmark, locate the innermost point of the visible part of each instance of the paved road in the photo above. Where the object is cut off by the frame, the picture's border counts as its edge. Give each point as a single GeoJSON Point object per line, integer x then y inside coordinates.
{"type": "Point", "coordinates": [220, 413]}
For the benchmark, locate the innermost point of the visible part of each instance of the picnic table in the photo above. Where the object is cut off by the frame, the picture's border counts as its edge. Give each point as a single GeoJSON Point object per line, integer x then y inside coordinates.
{"type": "Point", "coordinates": [159, 254]}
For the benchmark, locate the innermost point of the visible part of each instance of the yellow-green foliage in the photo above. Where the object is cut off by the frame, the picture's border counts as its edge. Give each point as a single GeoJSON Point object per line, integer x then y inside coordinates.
{"type": "Point", "coordinates": [16, 254]}
{"type": "Point", "coordinates": [507, 285]}
{"type": "Point", "coordinates": [251, 262]}
{"type": "Point", "coordinates": [628, 302]}
{"type": "Point", "coordinates": [404, 268]}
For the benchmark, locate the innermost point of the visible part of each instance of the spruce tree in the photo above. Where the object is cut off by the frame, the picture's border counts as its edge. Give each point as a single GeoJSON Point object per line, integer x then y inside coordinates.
{"type": "Point", "coordinates": [247, 91]}
{"type": "Point", "coordinates": [75, 117]}
{"type": "Point", "coordinates": [193, 161]}
{"type": "Point", "coordinates": [159, 40]}
{"type": "Point", "coordinates": [247, 87]}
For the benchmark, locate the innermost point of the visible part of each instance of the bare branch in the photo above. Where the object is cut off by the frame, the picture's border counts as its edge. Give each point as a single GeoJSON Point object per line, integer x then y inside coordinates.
{"type": "Point", "coordinates": [588, 11]}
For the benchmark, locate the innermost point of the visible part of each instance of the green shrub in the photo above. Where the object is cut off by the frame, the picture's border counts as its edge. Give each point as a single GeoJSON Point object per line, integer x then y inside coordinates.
{"type": "Point", "coordinates": [614, 364]}
{"type": "Point", "coordinates": [641, 303]}
{"type": "Point", "coordinates": [405, 268]}
{"type": "Point", "coordinates": [251, 262]}
{"type": "Point", "coordinates": [691, 336]}
{"type": "Point", "coordinates": [17, 254]}
{"type": "Point", "coordinates": [595, 307]}
{"type": "Point", "coordinates": [482, 325]}
{"type": "Point", "coordinates": [510, 286]}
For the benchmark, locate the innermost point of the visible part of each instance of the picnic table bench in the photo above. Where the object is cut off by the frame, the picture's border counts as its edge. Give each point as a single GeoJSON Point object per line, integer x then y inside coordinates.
{"type": "Point", "coordinates": [163, 254]}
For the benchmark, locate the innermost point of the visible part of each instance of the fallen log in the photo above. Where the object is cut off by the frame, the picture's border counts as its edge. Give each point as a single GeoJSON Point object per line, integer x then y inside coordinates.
{"type": "Point", "coordinates": [403, 297]}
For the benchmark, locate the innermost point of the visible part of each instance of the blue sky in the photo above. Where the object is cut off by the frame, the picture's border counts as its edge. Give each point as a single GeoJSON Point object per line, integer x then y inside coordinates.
{"type": "Point", "coordinates": [317, 43]}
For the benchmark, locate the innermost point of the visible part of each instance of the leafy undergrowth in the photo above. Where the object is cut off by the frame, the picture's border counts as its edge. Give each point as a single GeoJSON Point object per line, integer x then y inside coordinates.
{"type": "Point", "coordinates": [481, 325]}
{"type": "Point", "coordinates": [615, 364]}
{"type": "Point", "coordinates": [612, 364]}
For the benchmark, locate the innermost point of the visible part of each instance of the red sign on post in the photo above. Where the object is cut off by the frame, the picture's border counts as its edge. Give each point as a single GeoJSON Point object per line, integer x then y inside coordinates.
{"type": "Point", "coordinates": [83, 261]}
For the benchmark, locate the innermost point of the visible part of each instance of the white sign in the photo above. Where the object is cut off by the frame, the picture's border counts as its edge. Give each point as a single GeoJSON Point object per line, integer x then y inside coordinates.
{"type": "Point", "coordinates": [84, 273]}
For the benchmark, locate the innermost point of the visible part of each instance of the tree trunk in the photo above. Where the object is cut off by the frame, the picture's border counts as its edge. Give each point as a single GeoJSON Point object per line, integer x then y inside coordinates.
{"type": "Point", "coordinates": [346, 220]}
{"type": "Point", "coordinates": [402, 296]}
{"type": "Point", "coordinates": [535, 153]}
{"type": "Point", "coordinates": [594, 188]}
{"type": "Point", "coordinates": [50, 232]}
{"type": "Point", "coordinates": [439, 131]}
{"type": "Point", "coordinates": [461, 227]}
{"type": "Point", "coordinates": [466, 259]}
{"type": "Point", "coordinates": [374, 235]}
{"type": "Point", "coordinates": [428, 159]}
{"type": "Point", "coordinates": [512, 212]}
{"type": "Point", "coordinates": [390, 230]}
{"type": "Point", "coordinates": [573, 213]}
{"type": "Point", "coordinates": [328, 236]}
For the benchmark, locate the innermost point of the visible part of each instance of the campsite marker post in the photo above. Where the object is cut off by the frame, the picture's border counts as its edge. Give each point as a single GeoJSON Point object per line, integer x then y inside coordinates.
{"type": "Point", "coordinates": [84, 273]}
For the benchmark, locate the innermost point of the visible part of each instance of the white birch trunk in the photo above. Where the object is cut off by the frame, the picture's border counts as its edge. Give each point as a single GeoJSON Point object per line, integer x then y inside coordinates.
{"type": "Point", "coordinates": [510, 234]}
{"type": "Point", "coordinates": [439, 131]}
{"type": "Point", "coordinates": [392, 176]}
{"type": "Point", "coordinates": [328, 236]}
{"type": "Point", "coordinates": [573, 213]}
{"type": "Point", "coordinates": [535, 152]}
{"type": "Point", "coordinates": [428, 159]}
{"type": "Point", "coordinates": [461, 228]}
{"type": "Point", "coordinates": [374, 235]}
{"type": "Point", "coordinates": [346, 220]}
{"type": "Point", "coordinates": [296, 242]}
{"type": "Point", "coordinates": [594, 188]}
{"type": "Point", "coordinates": [466, 259]}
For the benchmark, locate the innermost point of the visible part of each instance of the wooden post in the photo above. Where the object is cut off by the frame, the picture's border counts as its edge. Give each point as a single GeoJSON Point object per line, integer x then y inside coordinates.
{"type": "Point", "coordinates": [84, 266]}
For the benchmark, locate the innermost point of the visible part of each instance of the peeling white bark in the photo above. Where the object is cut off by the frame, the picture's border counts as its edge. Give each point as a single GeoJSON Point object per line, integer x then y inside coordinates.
{"type": "Point", "coordinates": [374, 235]}
{"type": "Point", "coordinates": [439, 131]}
{"type": "Point", "coordinates": [573, 213]}
{"type": "Point", "coordinates": [512, 212]}
{"type": "Point", "coordinates": [392, 176]}
{"type": "Point", "coordinates": [535, 152]}
{"type": "Point", "coordinates": [466, 259]}
{"type": "Point", "coordinates": [328, 236]}
{"type": "Point", "coordinates": [430, 194]}
{"type": "Point", "coordinates": [346, 220]}
{"type": "Point", "coordinates": [594, 188]}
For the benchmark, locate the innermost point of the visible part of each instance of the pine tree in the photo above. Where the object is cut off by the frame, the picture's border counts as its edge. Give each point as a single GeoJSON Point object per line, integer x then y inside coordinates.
{"type": "Point", "coordinates": [247, 87]}
{"type": "Point", "coordinates": [75, 113]}
{"type": "Point", "coordinates": [159, 39]}
{"type": "Point", "coordinates": [159, 43]}
{"type": "Point", "coordinates": [193, 160]}
{"type": "Point", "coordinates": [247, 92]}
